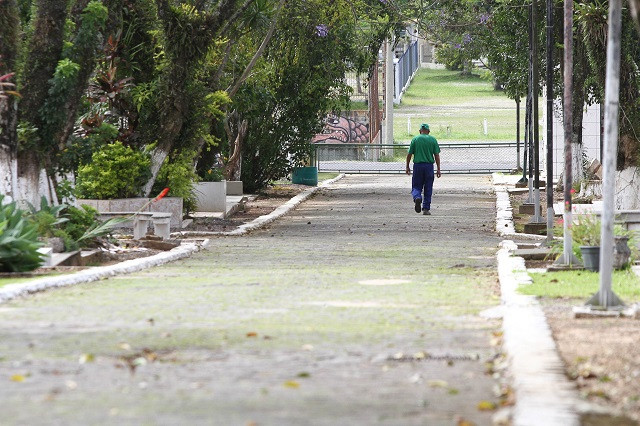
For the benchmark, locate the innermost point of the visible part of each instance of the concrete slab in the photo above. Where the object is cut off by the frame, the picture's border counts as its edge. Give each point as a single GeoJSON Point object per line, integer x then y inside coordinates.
{"type": "Point", "coordinates": [533, 254]}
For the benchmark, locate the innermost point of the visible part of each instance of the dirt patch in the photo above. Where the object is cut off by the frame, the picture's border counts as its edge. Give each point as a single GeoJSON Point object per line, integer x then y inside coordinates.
{"type": "Point", "coordinates": [264, 203]}
{"type": "Point", "coordinates": [601, 355]}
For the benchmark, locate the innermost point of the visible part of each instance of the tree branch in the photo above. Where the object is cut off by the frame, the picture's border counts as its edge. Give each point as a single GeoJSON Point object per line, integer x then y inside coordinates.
{"type": "Point", "coordinates": [233, 90]}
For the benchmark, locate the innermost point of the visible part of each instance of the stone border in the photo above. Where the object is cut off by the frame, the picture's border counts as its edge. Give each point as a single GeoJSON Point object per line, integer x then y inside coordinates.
{"type": "Point", "coordinates": [11, 291]}
{"type": "Point", "coordinates": [504, 211]}
{"type": "Point", "coordinates": [264, 220]}
{"type": "Point", "coordinates": [544, 395]}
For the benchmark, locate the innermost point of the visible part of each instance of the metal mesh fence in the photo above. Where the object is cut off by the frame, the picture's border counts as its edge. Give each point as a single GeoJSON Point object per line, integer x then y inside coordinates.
{"type": "Point", "coordinates": [480, 157]}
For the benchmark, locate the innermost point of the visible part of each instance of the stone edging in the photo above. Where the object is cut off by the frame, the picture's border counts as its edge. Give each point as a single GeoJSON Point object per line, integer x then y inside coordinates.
{"type": "Point", "coordinates": [12, 291]}
{"type": "Point", "coordinates": [504, 213]}
{"type": "Point", "coordinates": [264, 220]}
{"type": "Point", "coordinates": [544, 395]}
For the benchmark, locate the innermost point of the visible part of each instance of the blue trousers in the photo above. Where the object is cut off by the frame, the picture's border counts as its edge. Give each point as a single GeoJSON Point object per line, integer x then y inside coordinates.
{"type": "Point", "coordinates": [422, 179]}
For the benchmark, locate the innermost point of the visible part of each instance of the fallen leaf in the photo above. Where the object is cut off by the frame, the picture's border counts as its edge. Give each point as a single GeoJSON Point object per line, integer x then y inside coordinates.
{"type": "Point", "coordinates": [304, 374]}
{"type": "Point", "coordinates": [463, 422]}
{"type": "Point", "coordinates": [419, 355]}
{"type": "Point", "coordinates": [291, 384]}
{"type": "Point", "coordinates": [124, 346]}
{"type": "Point", "coordinates": [486, 406]}
{"type": "Point", "coordinates": [252, 334]}
{"type": "Point", "coordinates": [438, 383]}
{"type": "Point", "coordinates": [19, 378]}
{"type": "Point", "coordinates": [453, 391]}
{"type": "Point", "coordinates": [85, 358]}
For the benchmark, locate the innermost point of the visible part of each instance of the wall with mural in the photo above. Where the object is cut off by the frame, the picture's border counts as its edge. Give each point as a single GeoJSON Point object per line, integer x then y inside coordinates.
{"type": "Point", "coordinates": [349, 127]}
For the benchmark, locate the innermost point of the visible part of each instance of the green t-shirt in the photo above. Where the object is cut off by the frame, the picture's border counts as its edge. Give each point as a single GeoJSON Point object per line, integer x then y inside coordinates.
{"type": "Point", "coordinates": [423, 147]}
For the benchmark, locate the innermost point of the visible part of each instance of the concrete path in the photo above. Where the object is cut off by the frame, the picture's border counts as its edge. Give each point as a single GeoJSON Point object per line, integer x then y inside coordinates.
{"type": "Point", "coordinates": [353, 309]}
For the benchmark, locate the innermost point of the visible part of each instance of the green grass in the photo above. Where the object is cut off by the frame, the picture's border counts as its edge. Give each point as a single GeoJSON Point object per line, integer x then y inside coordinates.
{"type": "Point", "coordinates": [7, 281]}
{"type": "Point", "coordinates": [322, 176]}
{"type": "Point", "coordinates": [443, 87]}
{"type": "Point", "coordinates": [581, 284]}
{"type": "Point", "coordinates": [466, 102]}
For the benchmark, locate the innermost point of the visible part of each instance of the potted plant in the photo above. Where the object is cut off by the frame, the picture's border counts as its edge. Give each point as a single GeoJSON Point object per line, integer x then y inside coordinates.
{"type": "Point", "coordinates": [586, 234]}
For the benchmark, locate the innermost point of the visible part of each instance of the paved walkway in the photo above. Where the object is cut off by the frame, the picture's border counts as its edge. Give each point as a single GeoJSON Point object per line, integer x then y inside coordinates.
{"type": "Point", "coordinates": [353, 309]}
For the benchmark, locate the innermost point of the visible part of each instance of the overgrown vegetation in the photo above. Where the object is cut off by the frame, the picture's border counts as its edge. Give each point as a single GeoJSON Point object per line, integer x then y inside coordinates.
{"type": "Point", "coordinates": [18, 240]}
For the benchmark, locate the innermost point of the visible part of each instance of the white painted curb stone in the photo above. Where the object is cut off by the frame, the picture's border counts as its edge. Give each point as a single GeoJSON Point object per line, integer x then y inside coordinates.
{"type": "Point", "coordinates": [504, 211]}
{"type": "Point", "coordinates": [12, 291]}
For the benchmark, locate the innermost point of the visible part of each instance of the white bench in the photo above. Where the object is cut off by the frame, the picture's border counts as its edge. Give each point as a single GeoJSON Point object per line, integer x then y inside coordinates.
{"type": "Point", "coordinates": [140, 222]}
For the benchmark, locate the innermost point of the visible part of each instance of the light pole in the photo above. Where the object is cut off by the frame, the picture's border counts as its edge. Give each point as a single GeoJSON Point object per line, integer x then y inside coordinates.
{"type": "Point", "coordinates": [549, 183]}
{"type": "Point", "coordinates": [568, 258]}
{"type": "Point", "coordinates": [605, 298]}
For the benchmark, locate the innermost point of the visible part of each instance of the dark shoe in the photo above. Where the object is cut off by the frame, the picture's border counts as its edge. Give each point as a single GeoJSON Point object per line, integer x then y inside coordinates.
{"type": "Point", "coordinates": [426, 212]}
{"type": "Point", "coordinates": [418, 203]}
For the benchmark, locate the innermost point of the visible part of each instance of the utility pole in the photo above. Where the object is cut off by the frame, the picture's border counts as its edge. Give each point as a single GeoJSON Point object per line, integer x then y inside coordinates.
{"type": "Point", "coordinates": [388, 92]}
{"type": "Point", "coordinates": [537, 218]}
{"type": "Point", "coordinates": [549, 185]}
{"type": "Point", "coordinates": [605, 298]}
{"type": "Point", "coordinates": [568, 258]}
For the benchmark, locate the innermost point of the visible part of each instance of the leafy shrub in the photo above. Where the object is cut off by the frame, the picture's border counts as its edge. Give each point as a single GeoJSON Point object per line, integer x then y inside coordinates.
{"type": "Point", "coordinates": [451, 56]}
{"type": "Point", "coordinates": [80, 220]}
{"type": "Point", "coordinates": [47, 218]}
{"type": "Point", "coordinates": [179, 175]}
{"type": "Point", "coordinates": [18, 240]}
{"type": "Point", "coordinates": [115, 171]}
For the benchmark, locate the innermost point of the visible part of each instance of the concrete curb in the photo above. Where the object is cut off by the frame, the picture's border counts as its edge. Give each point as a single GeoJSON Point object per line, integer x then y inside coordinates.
{"type": "Point", "coordinates": [12, 291]}
{"type": "Point", "coordinates": [544, 395]}
{"type": "Point", "coordinates": [504, 212]}
{"type": "Point", "coordinates": [264, 220]}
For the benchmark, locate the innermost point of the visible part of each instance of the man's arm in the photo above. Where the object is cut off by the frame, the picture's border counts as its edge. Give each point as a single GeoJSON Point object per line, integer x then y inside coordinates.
{"type": "Point", "coordinates": [437, 157]}
{"type": "Point", "coordinates": [408, 170]}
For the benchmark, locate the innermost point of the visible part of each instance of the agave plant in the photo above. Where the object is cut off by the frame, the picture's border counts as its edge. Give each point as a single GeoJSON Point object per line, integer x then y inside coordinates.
{"type": "Point", "coordinates": [18, 240]}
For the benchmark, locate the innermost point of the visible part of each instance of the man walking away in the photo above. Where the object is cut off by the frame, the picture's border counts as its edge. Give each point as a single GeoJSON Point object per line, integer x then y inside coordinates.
{"type": "Point", "coordinates": [425, 151]}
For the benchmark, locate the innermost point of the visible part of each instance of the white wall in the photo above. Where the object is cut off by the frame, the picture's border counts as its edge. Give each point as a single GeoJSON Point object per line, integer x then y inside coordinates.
{"type": "Point", "coordinates": [590, 135]}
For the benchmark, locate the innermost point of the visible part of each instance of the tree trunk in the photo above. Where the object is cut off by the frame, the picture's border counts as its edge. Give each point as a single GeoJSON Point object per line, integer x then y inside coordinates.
{"type": "Point", "coordinates": [29, 177]}
{"type": "Point", "coordinates": [233, 167]}
{"type": "Point", "coordinates": [42, 59]}
{"type": "Point", "coordinates": [9, 42]}
{"type": "Point", "coordinates": [627, 196]}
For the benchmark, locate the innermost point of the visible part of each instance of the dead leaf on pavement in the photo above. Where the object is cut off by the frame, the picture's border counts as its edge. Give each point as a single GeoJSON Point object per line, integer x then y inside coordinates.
{"type": "Point", "coordinates": [18, 378]}
{"type": "Point", "coordinates": [486, 406]}
{"type": "Point", "coordinates": [463, 422]}
{"type": "Point", "coordinates": [85, 358]}
{"type": "Point", "coordinates": [438, 383]}
{"type": "Point", "coordinates": [252, 334]}
{"type": "Point", "coordinates": [291, 384]}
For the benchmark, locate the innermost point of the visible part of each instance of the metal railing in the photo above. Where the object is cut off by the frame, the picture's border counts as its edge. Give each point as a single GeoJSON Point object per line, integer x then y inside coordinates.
{"type": "Point", "coordinates": [405, 69]}
{"type": "Point", "coordinates": [463, 158]}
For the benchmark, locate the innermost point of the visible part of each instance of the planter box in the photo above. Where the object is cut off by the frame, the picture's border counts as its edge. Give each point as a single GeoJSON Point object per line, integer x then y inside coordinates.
{"type": "Point", "coordinates": [211, 196]}
{"type": "Point", "coordinates": [234, 187]}
{"type": "Point", "coordinates": [171, 205]}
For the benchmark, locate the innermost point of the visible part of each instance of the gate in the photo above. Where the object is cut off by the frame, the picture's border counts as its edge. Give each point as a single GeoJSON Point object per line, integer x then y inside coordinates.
{"type": "Point", "coordinates": [468, 158]}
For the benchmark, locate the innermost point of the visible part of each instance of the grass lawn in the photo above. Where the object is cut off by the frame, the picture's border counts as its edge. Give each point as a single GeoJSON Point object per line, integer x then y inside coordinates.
{"type": "Point", "coordinates": [322, 176]}
{"type": "Point", "coordinates": [465, 102]}
{"type": "Point", "coordinates": [7, 281]}
{"type": "Point", "coordinates": [581, 284]}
